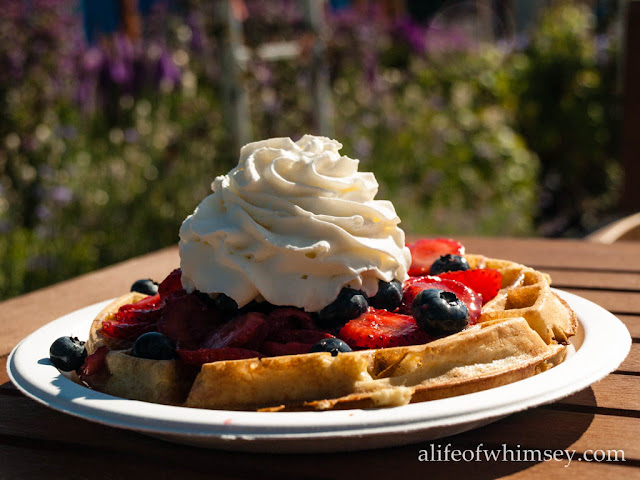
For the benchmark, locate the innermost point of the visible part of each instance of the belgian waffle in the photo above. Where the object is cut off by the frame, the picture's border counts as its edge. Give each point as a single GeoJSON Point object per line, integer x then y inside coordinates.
{"type": "Point", "coordinates": [527, 293]}
{"type": "Point", "coordinates": [521, 332]}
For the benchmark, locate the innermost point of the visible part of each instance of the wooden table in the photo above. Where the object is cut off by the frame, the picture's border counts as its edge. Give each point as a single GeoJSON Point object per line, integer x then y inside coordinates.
{"type": "Point", "coordinates": [36, 441]}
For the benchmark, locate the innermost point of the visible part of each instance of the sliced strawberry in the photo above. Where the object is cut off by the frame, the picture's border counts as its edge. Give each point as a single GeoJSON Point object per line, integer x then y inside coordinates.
{"type": "Point", "coordinates": [275, 349]}
{"type": "Point", "coordinates": [288, 318]}
{"type": "Point", "coordinates": [303, 336]}
{"type": "Point", "coordinates": [382, 329]}
{"type": "Point", "coordinates": [415, 285]}
{"type": "Point", "coordinates": [138, 316]}
{"type": "Point", "coordinates": [247, 331]}
{"type": "Point", "coordinates": [208, 355]}
{"type": "Point", "coordinates": [95, 362]}
{"type": "Point", "coordinates": [147, 303]}
{"type": "Point", "coordinates": [127, 331]}
{"type": "Point", "coordinates": [171, 284]}
{"type": "Point", "coordinates": [427, 250]}
{"type": "Point", "coordinates": [187, 320]}
{"type": "Point", "coordinates": [485, 281]}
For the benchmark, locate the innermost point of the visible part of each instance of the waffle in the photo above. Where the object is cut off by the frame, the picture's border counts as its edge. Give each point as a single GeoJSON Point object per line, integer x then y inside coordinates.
{"type": "Point", "coordinates": [521, 332]}
{"type": "Point", "coordinates": [527, 293]}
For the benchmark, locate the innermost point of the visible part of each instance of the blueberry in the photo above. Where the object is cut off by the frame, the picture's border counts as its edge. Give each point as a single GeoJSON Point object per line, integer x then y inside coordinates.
{"type": "Point", "coordinates": [219, 301]}
{"type": "Point", "coordinates": [146, 286]}
{"type": "Point", "coordinates": [439, 312]}
{"type": "Point", "coordinates": [225, 303]}
{"type": "Point", "coordinates": [67, 353]}
{"type": "Point", "coordinates": [388, 297]}
{"type": "Point", "coordinates": [449, 263]}
{"type": "Point", "coordinates": [350, 304]}
{"type": "Point", "coordinates": [331, 345]}
{"type": "Point", "coordinates": [155, 346]}
{"type": "Point", "coordinates": [205, 297]}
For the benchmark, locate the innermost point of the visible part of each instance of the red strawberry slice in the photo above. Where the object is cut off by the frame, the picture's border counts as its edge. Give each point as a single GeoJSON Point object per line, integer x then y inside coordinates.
{"type": "Point", "coordinates": [147, 303]}
{"type": "Point", "coordinates": [275, 349]}
{"type": "Point", "coordinates": [171, 284]}
{"type": "Point", "coordinates": [247, 331]}
{"type": "Point", "coordinates": [288, 318]}
{"type": "Point", "coordinates": [485, 281]}
{"type": "Point", "coordinates": [95, 362]}
{"type": "Point", "coordinates": [303, 336]}
{"type": "Point", "coordinates": [427, 250]}
{"type": "Point", "coordinates": [134, 319]}
{"type": "Point", "coordinates": [208, 355]}
{"type": "Point", "coordinates": [415, 285]}
{"type": "Point", "coordinates": [127, 331]}
{"type": "Point", "coordinates": [382, 329]}
{"type": "Point", "coordinates": [187, 320]}
{"type": "Point", "coordinates": [138, 316]}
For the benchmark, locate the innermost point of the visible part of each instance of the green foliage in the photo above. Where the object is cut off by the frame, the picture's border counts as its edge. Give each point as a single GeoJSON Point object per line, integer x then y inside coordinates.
{"type": "Point", "coordinates": [566, 107]}
{"type": "Point", "coordinates": [443, 147]}
{"type": "Point", "coordinates": [458, 139]}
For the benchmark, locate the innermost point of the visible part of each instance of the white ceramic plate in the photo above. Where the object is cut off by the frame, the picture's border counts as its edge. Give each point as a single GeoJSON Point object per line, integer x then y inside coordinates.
{"type": "Point", "coordinates": [601, 345]}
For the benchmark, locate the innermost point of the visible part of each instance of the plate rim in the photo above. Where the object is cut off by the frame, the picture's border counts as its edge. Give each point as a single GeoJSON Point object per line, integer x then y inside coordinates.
{"type": "Point", "coordinates": [240, 426]}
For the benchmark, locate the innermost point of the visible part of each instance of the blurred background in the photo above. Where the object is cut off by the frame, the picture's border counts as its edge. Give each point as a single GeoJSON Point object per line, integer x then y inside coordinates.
{"type": "Point", "coordinates": [478, 117]}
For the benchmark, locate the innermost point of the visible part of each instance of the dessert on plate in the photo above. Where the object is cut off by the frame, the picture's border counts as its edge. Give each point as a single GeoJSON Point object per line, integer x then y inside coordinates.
{"type": "Point", "coordinates": [296, 291]}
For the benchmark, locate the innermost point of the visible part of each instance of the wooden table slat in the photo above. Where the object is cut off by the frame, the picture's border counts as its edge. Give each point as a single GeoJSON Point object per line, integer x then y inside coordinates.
{"type": "Point", "coordinates": [616, 302]}
{"type": "Point", "coordinates": [526, 430]}
{"type": "Point", "coordinates": [586, 279]}
{"type": "Point", "coordinates": [615, 392]}
{"type": "Point", "coordinates": [632, 362]}
{"type": "Point", "coordinates": [558, 254]}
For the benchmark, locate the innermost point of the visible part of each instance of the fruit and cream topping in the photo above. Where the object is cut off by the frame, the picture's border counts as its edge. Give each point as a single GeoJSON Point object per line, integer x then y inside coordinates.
{"type": "Point", "coordinates": [294, 223]}
{"type": "Point", "coordinates": [171, 323]}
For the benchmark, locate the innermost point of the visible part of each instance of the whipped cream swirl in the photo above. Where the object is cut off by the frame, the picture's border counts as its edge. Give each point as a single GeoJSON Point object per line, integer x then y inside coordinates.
{"type": "Point", "coordinates": [293, 223]}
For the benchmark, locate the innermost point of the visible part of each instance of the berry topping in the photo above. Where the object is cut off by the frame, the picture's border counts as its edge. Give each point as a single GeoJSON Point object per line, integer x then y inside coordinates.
{"type": "Point", "coordinates": [382, 329]}
{"type": "Point", "coordinates": [485, 281]}
{"type": "Point", "coordinates": [302, 336]}
{"type": "Point", "coordinates": [207, 355]}
{"type": "Point", "coordinates": [388, 297]}
{"type": "Point", "coordinates": [276, 349]}
{"type": "Point", "coordinates": [439, 312]}
{"type": "Point", "coordinates": [350, 304]}
{"type": "Point", "coordinates": [187, 320]}
{"type": "Point", "coordinates": [247, 331]}
{"type": "Point", "coordinates": [288, 318]}
{"type": "Point", "coordinates": [147, 304]}
{"type": "Point", "coordinates": [67, 353]}
{"type": "Point", "coordinates": [126, 330]}
{"type": "Point", "coordinates": [427, 250]}
{"type": "Point", "coordinates": [225, 303]}
{"type": "Point", "coordinates": [146, 286]}
{"type": "Point", "coordinates": [448, 263]}
{"type": "Point", "coordinates": [155, 346]}
{"type": "Point", "coordinates": [171, 284]}
{"type": "Point", "coordinates": [332, 345]}
{"type": "Point", "coordinates": [415, 285]}
{"type": "Point", "coordinates": [95, 362]}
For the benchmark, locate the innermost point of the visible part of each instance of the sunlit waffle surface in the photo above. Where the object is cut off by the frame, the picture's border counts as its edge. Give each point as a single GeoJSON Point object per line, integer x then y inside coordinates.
{"type": "Point", "coordinates": [527, 293]}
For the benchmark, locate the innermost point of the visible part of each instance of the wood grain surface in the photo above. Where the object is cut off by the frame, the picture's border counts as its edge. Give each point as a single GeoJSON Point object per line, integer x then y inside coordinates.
{"type": "Point", "coordinates": [604, 417]}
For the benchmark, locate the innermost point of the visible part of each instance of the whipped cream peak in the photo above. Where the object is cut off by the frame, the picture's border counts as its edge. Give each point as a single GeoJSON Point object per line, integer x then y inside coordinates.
{"type": "Point", "coordinates": [293, 223]}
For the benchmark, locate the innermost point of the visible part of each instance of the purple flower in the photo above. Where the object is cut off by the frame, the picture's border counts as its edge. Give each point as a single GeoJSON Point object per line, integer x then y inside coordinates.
{"type": "Point", "coordinates": [61, 195]}
{"type": "Point", "coordinates": [413, 34]}
{"type": "Point", "coordinates": [167, 69]}
{"type": "Point", "coordinates": [92, 60]}
{"type": "Point", "coordinates": [43, 212]}
{"type": "Point", "coordinates": [118, 72]}
{"type": "Point", "coordinates": [131, 135]}
{"type": "Point", "coordinates": [197, 36]}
